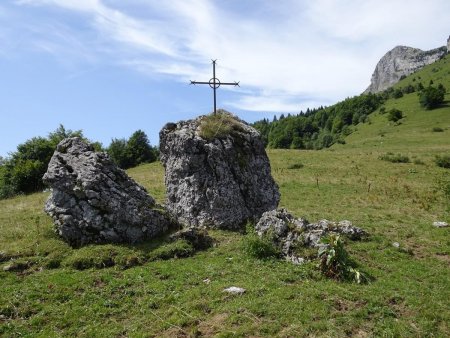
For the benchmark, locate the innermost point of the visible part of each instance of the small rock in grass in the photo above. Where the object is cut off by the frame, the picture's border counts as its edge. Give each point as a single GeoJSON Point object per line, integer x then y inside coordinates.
{"type": "Point", "coordinates": [234, 290]}
{"type": "Point", "coordinates": [396, 245]}
{"type": "Point", "coordinates": [440, 224]}
{"type": "Point", "coordinates": [8, 267]}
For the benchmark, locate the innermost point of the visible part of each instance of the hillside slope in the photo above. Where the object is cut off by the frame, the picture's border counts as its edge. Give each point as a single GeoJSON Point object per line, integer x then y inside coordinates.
{"type": "Point", "coordinates": [415, 130]}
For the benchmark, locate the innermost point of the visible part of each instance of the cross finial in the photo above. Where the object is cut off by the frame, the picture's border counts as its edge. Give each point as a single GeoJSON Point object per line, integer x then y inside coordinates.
{"type": "Point", "coordinates": [215, 83]}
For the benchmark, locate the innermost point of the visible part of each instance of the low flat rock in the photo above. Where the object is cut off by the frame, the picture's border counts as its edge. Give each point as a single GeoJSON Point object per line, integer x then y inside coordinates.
{"type": "Point", "coordinates": [440, 224]}
{"type": "Point", "coordinates": [94, 201]}
{"type": "Point", "coordinates": [289, 233]}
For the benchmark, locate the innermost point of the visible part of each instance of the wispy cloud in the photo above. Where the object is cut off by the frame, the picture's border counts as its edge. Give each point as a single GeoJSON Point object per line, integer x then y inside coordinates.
{"type": "Point", "coordinates": [321, 50]}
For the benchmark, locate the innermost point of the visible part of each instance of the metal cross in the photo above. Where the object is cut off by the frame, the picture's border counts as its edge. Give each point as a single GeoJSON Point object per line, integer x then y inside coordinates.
{"type": "Point", "coordinates": [215, 83]}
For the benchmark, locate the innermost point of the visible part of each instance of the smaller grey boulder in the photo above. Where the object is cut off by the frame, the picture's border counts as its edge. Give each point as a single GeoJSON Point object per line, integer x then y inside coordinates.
{"type": "Point", "coordinates": [289, 233]}
{"type": "Point", "coordinates": [94, 201]}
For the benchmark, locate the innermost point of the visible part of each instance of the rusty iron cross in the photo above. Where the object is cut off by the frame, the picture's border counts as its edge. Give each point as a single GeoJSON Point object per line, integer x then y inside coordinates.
{"type": "Point", "coordinates": [215, 83]}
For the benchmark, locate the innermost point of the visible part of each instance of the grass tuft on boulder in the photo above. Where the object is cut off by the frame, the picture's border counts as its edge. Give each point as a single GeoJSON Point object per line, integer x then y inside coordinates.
{"type": "Point", "coordinates": [219, 126]}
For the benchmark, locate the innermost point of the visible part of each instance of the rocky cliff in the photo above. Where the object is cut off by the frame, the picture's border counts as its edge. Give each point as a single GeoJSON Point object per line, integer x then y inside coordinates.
{"type": "Point", "coordinates": [401, 61]}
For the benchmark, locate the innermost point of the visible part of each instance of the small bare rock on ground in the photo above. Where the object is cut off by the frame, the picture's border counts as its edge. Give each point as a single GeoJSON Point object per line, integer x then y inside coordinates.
{"type": "Point", "coordinates": [289, 233]}
{"type": "Point", "coordinates": [440, 224]}
{"type": "Point", "coordinates": [234, 290]}
{"type": "Point", "coordinates": [94, 201]}
{"type": "Point", "coordinates": [219, 181]}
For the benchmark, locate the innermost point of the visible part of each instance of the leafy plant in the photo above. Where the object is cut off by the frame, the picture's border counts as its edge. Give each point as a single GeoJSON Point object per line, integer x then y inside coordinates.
{"type": "Point", "coordinates": [335, 262]}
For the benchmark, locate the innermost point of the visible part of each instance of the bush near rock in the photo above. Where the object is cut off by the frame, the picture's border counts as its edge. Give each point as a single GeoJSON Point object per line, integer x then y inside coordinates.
{"type": "Point", "coordinates": [217, 172]}
{"type": "Point", "coordinates": [289, 234]}
{"type": "Point", "coordinates": [94, 201]}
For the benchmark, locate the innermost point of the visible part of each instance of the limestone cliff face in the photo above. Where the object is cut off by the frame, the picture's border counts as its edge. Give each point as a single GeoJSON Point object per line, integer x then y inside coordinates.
{"type": "Point", "coordinates": [401, 61]}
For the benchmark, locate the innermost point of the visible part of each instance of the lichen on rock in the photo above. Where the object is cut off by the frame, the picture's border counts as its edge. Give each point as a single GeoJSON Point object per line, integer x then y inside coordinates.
{"type": "Point", "coordinates": [217, 172]}
{"type": "Point", "coordinates": [94, 201]}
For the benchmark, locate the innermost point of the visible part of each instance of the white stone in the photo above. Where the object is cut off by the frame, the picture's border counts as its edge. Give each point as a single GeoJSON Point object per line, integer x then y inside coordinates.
{"type": "Point", "coordinates": [234, 290]}
{"type": "Point", "coordinates": [440, 224]}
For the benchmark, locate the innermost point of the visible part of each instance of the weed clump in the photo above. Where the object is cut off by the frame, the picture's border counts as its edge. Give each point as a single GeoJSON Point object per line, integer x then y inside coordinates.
{"type": "Point", "coordinates": [259, 247]}
{"type": "Point", "coordinates": [443, 161]}
{"type": "Point", "coordinates": [437, 129]}
{"type": "Point", "coordinates": [219, 126]}
{"type": "Point", "coordinates": [335, 262]}
{"type": "Point", "coordinates": [297, 165]}
{"type": "Point", "coordinates": [399, 158]}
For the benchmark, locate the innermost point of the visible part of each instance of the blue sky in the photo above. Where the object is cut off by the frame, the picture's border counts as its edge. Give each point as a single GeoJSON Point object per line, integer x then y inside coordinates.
{"type": "Point", "coordinates": [110, 67]}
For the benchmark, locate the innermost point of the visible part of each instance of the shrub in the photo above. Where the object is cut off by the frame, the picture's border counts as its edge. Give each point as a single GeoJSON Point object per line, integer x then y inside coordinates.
{"type": "Point", "coordinates": [335, 262]}
{"type": "Point", "coordinates": [432, 97]}
{"type": "Point", "coordinates": [389, 157]}
{"type": "Point", "coordinates": [409, 89]}
{"type": "Point", "coordinates": [394, 115]}
{"type": "Point", "coordinates": [397, 93]}
{"type": "Point", "coordinates": [23, 171]}
{"type": "Point", "coordinates": [443, 161]}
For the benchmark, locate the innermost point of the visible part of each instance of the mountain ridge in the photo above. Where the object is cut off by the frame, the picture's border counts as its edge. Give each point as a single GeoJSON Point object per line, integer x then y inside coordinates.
{"type": "Point", "coordinates": [399, 62]}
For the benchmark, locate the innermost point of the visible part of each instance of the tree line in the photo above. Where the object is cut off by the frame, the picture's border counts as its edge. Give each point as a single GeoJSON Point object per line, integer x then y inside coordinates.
{"type": "Point", "coordinates": [21, 172]}
{"type": "Point", "coordinates": [324, 126]}
{"type": "Point", "coordinates": [319, 127]}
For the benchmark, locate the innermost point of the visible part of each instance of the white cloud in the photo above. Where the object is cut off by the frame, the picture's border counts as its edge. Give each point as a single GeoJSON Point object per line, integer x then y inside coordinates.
{"type": "Point", "coordinates": [324, 50]}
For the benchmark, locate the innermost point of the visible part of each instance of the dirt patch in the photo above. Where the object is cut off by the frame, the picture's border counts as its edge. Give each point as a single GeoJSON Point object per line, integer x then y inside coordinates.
{"type": "Point", "coordinates": [443, 257]}
{"type": "Point", "coordinates": [212, 325]}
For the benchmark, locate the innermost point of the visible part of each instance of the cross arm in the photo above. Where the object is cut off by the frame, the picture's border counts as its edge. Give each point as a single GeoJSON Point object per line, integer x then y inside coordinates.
{"type": "Point", "coordinates": [198, 82]}
{"type": "Point", "coordinates": [230, 83]}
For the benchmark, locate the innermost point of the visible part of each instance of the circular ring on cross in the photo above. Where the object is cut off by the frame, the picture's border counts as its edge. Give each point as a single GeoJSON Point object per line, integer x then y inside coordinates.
{"type": "Point", "coordinates": [214, 83]}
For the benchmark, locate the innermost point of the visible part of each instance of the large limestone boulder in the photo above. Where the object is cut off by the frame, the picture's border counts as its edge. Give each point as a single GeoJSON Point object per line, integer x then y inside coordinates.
{"type": "Point", "coordinates": [217, 172]}
{"type": "Point", "coordinates": [94, 201]}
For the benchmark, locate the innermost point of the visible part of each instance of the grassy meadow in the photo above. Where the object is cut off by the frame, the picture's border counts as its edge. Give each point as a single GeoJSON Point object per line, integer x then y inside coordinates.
{"type": "Point", "coordinates": [163, 289]}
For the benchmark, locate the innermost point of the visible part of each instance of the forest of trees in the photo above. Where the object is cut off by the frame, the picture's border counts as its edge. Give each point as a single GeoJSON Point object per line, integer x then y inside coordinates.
{"type": "Point", "coordinates": [318, 128]}
{"type": "Point", "coordinates": [324, 126]}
